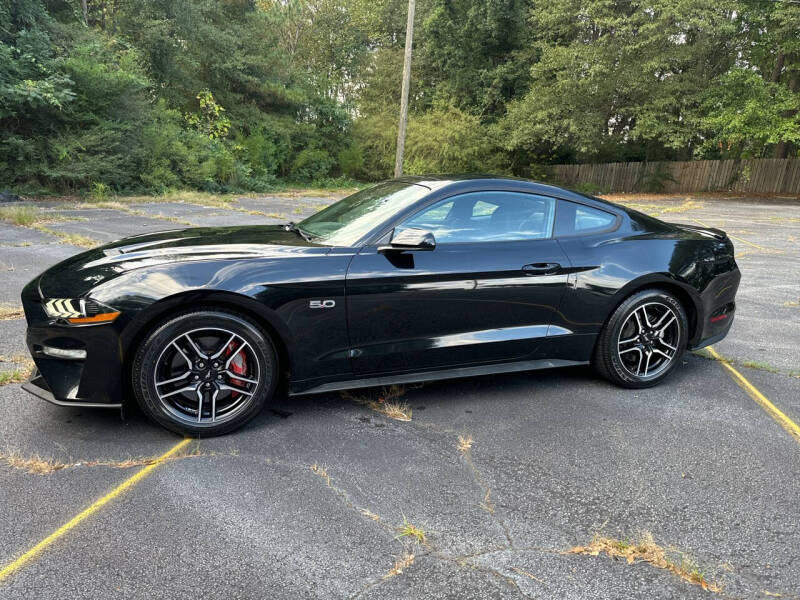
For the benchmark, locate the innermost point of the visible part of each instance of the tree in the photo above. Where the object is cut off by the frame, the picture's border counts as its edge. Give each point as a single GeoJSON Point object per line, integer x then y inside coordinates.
{"type": "Point", "coordinates": [623, 80]}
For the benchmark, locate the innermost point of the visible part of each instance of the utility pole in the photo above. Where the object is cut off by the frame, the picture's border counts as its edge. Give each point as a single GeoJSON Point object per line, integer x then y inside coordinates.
{"type": "Point", "coordinates": [401, 130]}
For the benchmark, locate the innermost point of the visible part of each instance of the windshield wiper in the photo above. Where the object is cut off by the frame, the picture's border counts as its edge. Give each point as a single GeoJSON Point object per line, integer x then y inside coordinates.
{"type": "Point", "coordinates": [292, 226]}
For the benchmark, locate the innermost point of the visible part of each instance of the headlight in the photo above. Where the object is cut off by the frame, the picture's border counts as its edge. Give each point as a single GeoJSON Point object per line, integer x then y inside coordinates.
{"type": "Point", "coordinates": [79, 311]}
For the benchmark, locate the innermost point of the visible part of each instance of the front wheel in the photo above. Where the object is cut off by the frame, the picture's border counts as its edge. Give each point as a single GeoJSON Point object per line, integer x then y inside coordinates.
{"type": "Point", "coordinates": [204, 372]}
{"type": "Point", "coordinates": [643, 340]}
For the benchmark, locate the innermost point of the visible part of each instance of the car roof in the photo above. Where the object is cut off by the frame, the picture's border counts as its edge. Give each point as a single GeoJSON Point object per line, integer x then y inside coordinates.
{"type": "Point", "coordinates": [483, 181]}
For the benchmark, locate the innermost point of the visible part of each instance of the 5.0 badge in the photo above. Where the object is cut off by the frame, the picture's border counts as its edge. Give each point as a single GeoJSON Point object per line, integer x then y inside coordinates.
{"type": "Point", "coordinates": [321, 304]}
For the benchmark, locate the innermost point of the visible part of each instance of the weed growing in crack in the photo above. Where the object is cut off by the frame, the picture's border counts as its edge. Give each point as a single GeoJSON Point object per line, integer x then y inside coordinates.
{"type": "Point", "coordinates": [528, 575]}
{"type": "Point", "coordinates": [33, 465]}
{"type": "Point", "coordinates": [23, 369]}
{"type": "Point", "coordinates": [753, 364]}
{"type": "Point", "coordinates": [646, 550]}
{"type": "Point", "coordinates": [464, 443]}
{"type": "Point", "coordinates": [487, 502]}
{"type": "Point", "coordinates": [386, 401]}
{"type": "Point", "coordinates": [370, 515]}
{"type": "Point", "coordinates": [36, 465]}
{"type": "Point", "coordinates": [321, 471]}
{"type": "Point", "coordinates": [400, 564]}
{"type": "Point", "coordinates": [9, 312]}
{"type": "Point", "coordinates": [409, 531]}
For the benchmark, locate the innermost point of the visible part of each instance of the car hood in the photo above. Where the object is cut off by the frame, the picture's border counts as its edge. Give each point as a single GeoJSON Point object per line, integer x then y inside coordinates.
{"type": "Point", "coordinates": [77, 275]}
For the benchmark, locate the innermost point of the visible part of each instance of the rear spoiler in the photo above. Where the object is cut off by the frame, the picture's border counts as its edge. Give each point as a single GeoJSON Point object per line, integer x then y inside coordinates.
{"type": "Point", "coordinates": [707, 231]}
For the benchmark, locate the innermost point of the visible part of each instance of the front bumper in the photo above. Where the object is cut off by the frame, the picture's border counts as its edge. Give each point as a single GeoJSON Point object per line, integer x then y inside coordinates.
{"type": "Point", "coordinates": [37, 386]}
{"type": "Point", "coordinates": [94, 381]}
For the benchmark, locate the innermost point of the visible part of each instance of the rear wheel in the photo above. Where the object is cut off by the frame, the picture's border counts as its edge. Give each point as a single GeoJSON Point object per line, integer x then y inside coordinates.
{"type": "Point", "coordinates": [205, 372]}
{"type": "Point", "coordinates": [643, 340]}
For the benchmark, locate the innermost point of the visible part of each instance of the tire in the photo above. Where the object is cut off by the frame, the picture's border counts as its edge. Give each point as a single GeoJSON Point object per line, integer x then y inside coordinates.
{"type": "Point", "coordinates": [643, 340]}
{"type": "Point", "coordinates": [185, 366]}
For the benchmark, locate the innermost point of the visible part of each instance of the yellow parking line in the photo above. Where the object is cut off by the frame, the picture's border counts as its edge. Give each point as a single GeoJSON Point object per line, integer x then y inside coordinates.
{"type": "Point", "coordinates": [773, 411]}
{"type": "Point", "coordinates": [128, 483]}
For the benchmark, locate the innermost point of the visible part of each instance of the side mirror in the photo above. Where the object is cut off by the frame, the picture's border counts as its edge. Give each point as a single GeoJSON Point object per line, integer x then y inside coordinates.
{"type": "Point", "coordinates": [410, 239]}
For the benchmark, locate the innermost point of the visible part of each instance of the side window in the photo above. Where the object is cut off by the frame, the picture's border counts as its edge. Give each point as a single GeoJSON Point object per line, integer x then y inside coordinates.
{"type": "Point", "coordinates": [575, 219]}
{"type": "Point", "coordinates": [486, 217]}
{"type": "Point", "coordinates": [431, 218]}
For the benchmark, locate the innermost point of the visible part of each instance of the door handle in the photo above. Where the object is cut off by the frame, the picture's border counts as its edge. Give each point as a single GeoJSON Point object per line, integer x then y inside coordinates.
{"type": "Point", "coordinates": [541, 268]}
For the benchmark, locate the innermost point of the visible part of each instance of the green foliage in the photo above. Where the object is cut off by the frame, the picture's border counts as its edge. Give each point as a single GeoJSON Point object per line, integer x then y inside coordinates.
{"type": "Point", "coordinates": [98, 192]}
{"type": "Point", "coordinates": [237, 95]}
{"type": "Point", "coordinates": [539, 172]}
{"type": "Point", "coordinates": [375, 135]}
{"type": "Point", "coordinates": [311, 165]}
{"type": "Point", "coordinates": [477, 52]}
{"type": "Point", "coordinates": [655, 178]}
{"type": "Point", "coordinates": [589, 188]}
{"type": "Point", "coordinates": [744, 114]}
{"type": "Point", "coordinates": [448, 140]}
{"type": "Point", "coordinates": [351, 161]}
{"type": "Point", "coordinates": [209, 120]}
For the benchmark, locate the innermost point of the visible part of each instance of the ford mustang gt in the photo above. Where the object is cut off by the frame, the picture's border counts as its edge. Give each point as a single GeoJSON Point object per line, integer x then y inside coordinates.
{"type": "Point", "coordinates": [415, 279]}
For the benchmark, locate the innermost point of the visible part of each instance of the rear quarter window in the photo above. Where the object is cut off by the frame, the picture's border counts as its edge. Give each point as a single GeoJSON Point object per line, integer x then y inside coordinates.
{"type": "Point", "coordinates": [578, 219]}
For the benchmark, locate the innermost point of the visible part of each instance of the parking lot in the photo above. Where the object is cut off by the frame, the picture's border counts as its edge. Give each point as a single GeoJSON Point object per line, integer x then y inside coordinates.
{"type": "Point", "coordinates": [502, 475]}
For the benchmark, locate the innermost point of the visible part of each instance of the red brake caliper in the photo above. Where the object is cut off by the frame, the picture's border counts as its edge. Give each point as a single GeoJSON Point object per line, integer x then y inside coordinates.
{"type": "Point", "coordinates": [238, 365]}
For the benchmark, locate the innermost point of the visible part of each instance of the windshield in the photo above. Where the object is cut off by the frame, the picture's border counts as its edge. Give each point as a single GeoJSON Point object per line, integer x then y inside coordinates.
{"type": "Point", "coordinates": [344, 223]}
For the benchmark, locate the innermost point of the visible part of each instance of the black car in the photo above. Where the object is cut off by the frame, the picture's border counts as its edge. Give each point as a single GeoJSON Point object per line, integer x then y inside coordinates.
{"type": "Point", "coordinates": [414, 279]}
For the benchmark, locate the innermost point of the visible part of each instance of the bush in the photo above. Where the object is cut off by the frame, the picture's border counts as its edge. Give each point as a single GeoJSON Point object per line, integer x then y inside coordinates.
{"type": "Point", "coordinates": [448, 140]}
{"type": "Point", "coordinates": [99, 192]}
{"type": "Point", "coordinates": [351, 161]}
{"type": "Point", "coordinates": [259, 152]}
{"type": "Point", "coordinates": [589, 188]}
{"type": "Point", "coordinates": [311, 164]}
{"type": "Point", "coordinates": [376, 135]}
{"type": "Point", "coordinates": [539, 172]}
{"type": "Point", "coordinates": [655, 178]}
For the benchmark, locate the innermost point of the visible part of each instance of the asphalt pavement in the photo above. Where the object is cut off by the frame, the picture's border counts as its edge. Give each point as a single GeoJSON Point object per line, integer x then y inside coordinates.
{"type": "Point", "coordinates": [503, 475]}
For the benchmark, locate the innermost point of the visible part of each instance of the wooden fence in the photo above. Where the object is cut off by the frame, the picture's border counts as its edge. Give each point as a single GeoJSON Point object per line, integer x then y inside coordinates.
{"type": "Point", "coordinates": [758, 175]}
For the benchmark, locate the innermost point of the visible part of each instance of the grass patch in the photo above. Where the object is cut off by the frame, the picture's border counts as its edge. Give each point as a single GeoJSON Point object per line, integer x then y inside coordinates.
{"type": "Point", "coordinates": [24, 216]}
{"type": "Point", "coordinates": [752, 364]}
{"type": "Point", "coordinates": [644, 203]}
{"type": "Point", "coordinates": [73, 239]}
{"type": "Point", "coordinates": [749, 364]}
{"type": "Point", "coordinates": [33, 218]}
{"type": "Point", "coordinates": [33, 465]}
{"type": "Point", "coordinates": [792, 303]}
{"type": "Point", "coordinates": [409, 531]}
{"type": "Point", "coordinates": [124, 208]}
{"type": "Point", "coordinates": [9, 312]}
{"type": "Point", "coordinates": [387, 401]}
{"type": "Point", "coordinates": [183, 197]}
{"type": "Point", "coordinates": [14, 376]}
{"type": "Point", "coordinates": [400, 564]}
{"type": "Point", "coordinates": [650, 209]}
{"type": "Point", "coordinates": [686, 206]}
{"type": "Point", "coordinates": [644, 549]}
{"type": "Point", "coordinates": [21, 371]}
{"type": "Point", "coordinates": [36, 465]}
{"type": "Point", "coordinates": [464, 443]}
